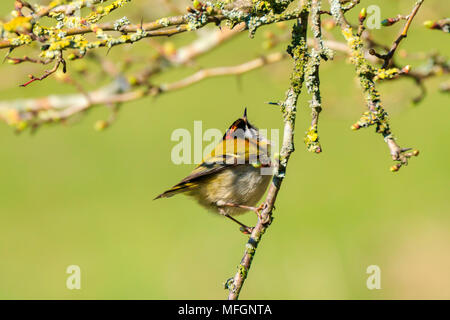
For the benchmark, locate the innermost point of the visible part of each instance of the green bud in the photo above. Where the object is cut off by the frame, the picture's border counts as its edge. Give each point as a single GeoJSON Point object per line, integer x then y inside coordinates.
{"type": "Point", "coordinates": [197, 5]}
{"type": "Point", "coordinates": [132, 80]}
{"type": "Point", "coordinates": [268, 44]}
{"type": "Point", "coordinates": [387, 22]}
{"type": "Point", "coordinates": [429, 24]}
{"type": "Point", "coordinates": [101, 125]}
{"type": "Point", "coordinates": [362, 14]}
{"type": "Point", "coordinates": [22, 125]}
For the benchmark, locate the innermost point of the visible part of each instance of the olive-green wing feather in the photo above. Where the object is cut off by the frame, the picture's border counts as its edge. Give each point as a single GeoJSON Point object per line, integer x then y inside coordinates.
{"type": "Point", "coordinates": [202, 171]}
{"type": "Point", "coordinates": [227, 153]}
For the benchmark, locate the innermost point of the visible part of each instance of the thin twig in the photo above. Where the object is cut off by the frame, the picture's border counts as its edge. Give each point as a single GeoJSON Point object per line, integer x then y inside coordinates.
{"type": "Point", "coordinates": [387, 57]}
{"type": "Point", "coordinates": [46, 74]}
{"type": "Point", "coordinates": [27, 59]}
{"type": "Point", "coordinates": [376, 115]}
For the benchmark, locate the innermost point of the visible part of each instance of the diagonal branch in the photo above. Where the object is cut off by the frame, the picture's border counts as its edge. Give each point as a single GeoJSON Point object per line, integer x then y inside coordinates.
{"type": "Point", "coordinates": [298, 51]}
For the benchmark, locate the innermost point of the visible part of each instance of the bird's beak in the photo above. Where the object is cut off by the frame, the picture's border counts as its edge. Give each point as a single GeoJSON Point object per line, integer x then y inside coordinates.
{"type": "Point", "coordinates": [245, 115]}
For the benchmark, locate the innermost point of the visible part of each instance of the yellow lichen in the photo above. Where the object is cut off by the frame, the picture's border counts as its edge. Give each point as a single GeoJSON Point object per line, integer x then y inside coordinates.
{"type": "Point", "coordinates": [18, 24]}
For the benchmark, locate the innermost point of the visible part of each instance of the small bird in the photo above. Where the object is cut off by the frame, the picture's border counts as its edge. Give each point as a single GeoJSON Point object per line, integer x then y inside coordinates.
{"type": "Point", "coordinates": [230, 180]}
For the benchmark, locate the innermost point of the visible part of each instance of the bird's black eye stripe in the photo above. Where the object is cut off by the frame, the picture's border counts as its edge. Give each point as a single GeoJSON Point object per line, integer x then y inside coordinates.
{"type": "Point", "coordinates": [250, 126]}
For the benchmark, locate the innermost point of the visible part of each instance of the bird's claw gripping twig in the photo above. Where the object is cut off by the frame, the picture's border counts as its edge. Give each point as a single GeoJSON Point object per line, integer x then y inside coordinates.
{"type": "Point", "coordinates": [246, 230]}
{"type": "Point", "coordinates": [264, 218]}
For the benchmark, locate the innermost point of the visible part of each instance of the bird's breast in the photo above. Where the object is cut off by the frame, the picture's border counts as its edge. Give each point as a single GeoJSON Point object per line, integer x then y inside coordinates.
{"type": "Point", "coordinates": [240, 185]}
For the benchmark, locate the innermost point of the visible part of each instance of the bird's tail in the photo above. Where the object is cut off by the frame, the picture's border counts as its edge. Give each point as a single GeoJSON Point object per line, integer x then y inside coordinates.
{"type": "Point", "coordinates": [179, 188]}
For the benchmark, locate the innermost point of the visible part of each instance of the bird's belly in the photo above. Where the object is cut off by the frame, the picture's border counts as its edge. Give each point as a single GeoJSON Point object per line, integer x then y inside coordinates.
{"type": "Point", "coordinates": [241, 185]}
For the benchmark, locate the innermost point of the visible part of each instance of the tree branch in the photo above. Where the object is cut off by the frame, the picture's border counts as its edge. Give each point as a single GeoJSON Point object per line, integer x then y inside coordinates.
{"type": "Point", "coordinates": [57, 108]}
{"type": "Point", "coordinates": [387, 57]}
{"type": "Point", "coordinates": [298, 51]}
{"type": "Point", "coordinates": [376, 115]}
{"type": "Point", "coordinates": [47, 72]}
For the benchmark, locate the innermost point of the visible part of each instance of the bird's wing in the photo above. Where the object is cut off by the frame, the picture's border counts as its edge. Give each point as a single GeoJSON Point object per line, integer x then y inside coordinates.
{"type": "Point", "coordinates": [202, 171]}
{"type": "Point", "coordinates": [228, 153]}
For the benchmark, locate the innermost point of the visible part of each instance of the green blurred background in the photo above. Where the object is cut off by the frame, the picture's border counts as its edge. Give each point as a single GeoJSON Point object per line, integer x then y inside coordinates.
{"type": "Point", "coordinates": [71, 195]}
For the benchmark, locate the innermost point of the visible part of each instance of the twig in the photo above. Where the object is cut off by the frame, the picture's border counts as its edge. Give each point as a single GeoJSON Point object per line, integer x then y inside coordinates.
{"type": "Point", "coordinates": [46, 74]}
{"type": "Point", "coordinates": [27, 59]}
{"type": "Point", "coordinates": [376, 115]}
{"type": "Point", "coordinates": [387, 57]}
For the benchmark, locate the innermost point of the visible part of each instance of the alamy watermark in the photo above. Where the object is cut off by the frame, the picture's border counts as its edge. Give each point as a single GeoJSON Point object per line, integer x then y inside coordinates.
{"type": "Point", "coordinates": [374, 279]}
{"type": "Point", "coordinates": [74, 280]}
{"type": "Point", "coordinates": [373, 20]}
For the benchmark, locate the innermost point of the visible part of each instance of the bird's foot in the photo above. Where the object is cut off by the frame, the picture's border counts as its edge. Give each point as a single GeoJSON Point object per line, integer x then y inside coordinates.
{"type": "Point", "coordinates": [258, 210]}
{"type": "Point", "coordinates": [244, 229]}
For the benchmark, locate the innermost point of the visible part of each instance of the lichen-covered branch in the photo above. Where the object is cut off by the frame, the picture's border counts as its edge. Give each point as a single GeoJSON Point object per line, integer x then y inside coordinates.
{"type": "Point", "coordinates": [312, 76]}
{"type": "Point", "coordinates": [35, 112]}
{"type": "Point", "coordinates": [69, 33]}
{"type": "Point", "coordinates": [66, 40]}
{"type": "Point", "coordinates": [376, 115]}
{"type": "Point", "coordinates": [299, 52]}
